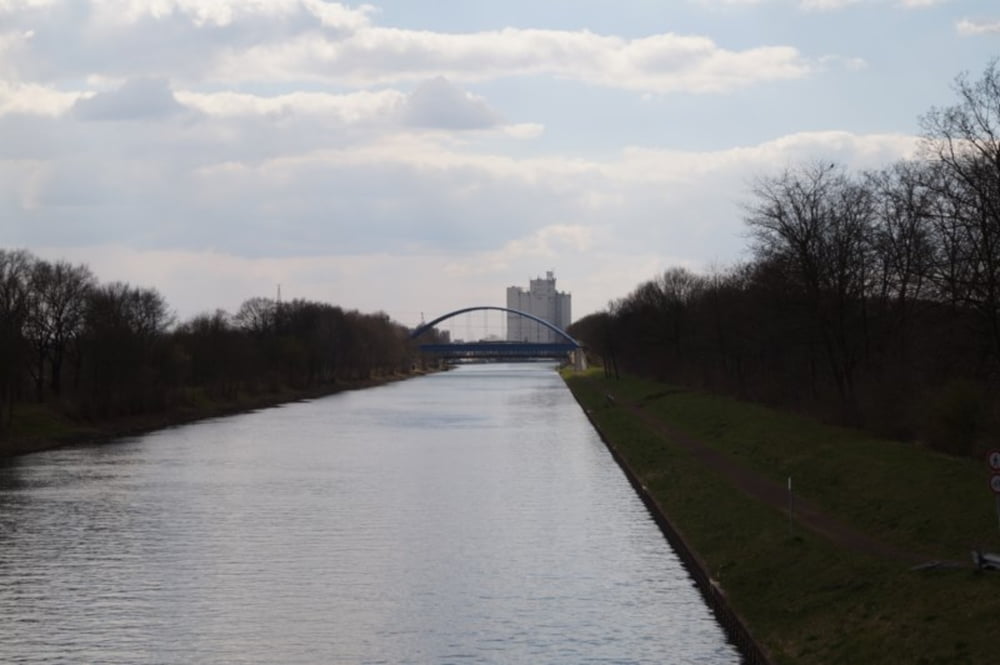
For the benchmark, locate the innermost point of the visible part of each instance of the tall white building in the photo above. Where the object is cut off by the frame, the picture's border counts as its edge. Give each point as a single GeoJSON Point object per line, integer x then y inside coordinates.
{"type": "Point", "coordinates": [542, 300]}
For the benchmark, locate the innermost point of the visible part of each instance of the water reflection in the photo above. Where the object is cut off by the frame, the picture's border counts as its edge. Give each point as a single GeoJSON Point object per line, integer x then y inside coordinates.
{"type": "Point", "coordinates": [471, 516]}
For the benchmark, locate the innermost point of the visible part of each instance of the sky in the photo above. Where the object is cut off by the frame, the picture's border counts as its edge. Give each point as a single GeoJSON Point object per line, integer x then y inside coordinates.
{"type": "Point", "coordinates": [417, 157]}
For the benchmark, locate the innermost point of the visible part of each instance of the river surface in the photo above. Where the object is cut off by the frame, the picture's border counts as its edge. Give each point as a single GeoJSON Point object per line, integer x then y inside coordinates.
{"type": "Point", "coordinates": [471, 516]}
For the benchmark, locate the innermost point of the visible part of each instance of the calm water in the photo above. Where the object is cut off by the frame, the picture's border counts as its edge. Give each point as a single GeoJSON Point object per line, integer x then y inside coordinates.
{"type": "Point", "coordinates": [467, 517]}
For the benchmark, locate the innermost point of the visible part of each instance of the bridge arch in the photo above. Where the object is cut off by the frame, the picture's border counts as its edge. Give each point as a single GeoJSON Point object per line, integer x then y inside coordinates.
{"type": "Point", "coordinates": [420, 330]}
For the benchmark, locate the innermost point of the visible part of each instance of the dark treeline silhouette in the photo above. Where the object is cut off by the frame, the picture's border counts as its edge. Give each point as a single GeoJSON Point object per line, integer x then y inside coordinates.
{"type": "Point", "coordinates": [870, 299]}
{"type": "Point", "coordinates": [99, 351]}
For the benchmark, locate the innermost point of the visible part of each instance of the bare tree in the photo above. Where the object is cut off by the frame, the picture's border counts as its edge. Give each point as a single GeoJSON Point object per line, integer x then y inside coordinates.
{"type": "Point", "coordinates": [124, 324]}
{"type": "Point", "coordinates": [15, 275]}
{"type": "Point", "coordinates": [59, 302]}
{"type": "Point", "coordinates": [964, 139]}
{"type": "Point", "coordinates": [257, 315]}
{"type": "Point", "coordinates": [905, 207]}
{"type": "Point", "coordinates": [817, 221]}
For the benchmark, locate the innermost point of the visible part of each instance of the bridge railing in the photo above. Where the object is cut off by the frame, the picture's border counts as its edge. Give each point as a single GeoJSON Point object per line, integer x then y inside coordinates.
{"type": "Point", "coordinates": [499, 350]}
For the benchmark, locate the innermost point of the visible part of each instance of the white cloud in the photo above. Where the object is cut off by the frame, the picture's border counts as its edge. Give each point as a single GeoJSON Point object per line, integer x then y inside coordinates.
{"type": "Point", "coordinates": [221, 13]}
{"type": "Point", "coordinates": [436, 105]}
{"type": "Point", "coordinates": [32, 99]}
{"type": "Point", "coordinates": [409, 195]}
{"type": "Point", "coordinates": [181, 39]}
{"type": "Point", "coordinates": [249, 126]}
{"type": "Point", "coordinates": [354, 107]}
{"type": "Point", "coordinates": [291, 41]}
{"type": "Point", "coordinates": [540, 246]}
{"type": "Point", "coordinates": [855, 151]}
{"type": "Point", "coordinates": [13, 6]}
{"type": "Point", "coordinates": [919, 4]}
{"type": "Point", "coordinates": [734, 2]}
{"type": "Point", "coordinates": [968, 27]}
{"type": "Point", "coordinates": [828, 5]}
{"type": "Point", "coordinates": [659, 63]}
{"type": "Point", "coordinates": [524, 130]}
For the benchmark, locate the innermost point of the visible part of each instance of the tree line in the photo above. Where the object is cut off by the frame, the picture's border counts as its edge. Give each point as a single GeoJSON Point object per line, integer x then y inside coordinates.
{"type": "Point", "coordinates": [99, 351]}
{"type": "Point", "coordinates": [868, 298]}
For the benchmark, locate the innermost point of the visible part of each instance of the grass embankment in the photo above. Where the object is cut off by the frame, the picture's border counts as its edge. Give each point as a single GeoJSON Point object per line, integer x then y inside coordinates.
{"type": "Point", "coordinates": [37, 427]}
{"type": "Point", "coordinates": [804, 597]}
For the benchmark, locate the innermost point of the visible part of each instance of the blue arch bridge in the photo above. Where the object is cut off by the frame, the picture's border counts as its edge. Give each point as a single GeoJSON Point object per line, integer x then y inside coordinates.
{"type": "Point", "coordinates": [565, 349]}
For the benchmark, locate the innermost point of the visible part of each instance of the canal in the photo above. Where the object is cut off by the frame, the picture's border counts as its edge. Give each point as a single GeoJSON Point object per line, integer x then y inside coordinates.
{"type": "Point", "coordinates": [471, 516]}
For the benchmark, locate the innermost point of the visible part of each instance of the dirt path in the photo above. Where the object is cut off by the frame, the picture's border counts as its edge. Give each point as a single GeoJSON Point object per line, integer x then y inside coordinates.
{"type": "Point", "coordinates": [776, 495]}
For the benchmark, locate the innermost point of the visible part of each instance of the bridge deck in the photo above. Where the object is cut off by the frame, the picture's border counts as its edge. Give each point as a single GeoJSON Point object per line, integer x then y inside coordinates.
{"type": "Point", "coordinates": [499, 350]}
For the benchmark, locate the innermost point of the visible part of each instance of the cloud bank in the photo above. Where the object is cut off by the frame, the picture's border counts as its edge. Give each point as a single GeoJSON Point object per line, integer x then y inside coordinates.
{"type": "Point", "coordinates": [229, 42]}
{"type": "Point", "coordinates": [216, 149]}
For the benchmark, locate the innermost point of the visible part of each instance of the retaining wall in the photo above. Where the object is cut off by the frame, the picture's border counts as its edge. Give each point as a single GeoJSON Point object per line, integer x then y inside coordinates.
{"type": "Point", "coordinates": [752, 652]}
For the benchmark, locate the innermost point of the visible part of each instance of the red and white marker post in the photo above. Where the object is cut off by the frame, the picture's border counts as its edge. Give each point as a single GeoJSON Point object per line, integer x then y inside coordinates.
{"type": "Point", "coordinates": [993, 459]}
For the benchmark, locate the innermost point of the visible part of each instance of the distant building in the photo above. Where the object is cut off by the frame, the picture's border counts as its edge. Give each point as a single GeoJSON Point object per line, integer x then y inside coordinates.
{"type": "Point", "coordinates": [542, 300]}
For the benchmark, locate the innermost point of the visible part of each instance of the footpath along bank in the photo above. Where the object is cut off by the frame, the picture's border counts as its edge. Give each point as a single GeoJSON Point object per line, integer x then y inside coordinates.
{"type": "Point", "coordinates": [872, 564]}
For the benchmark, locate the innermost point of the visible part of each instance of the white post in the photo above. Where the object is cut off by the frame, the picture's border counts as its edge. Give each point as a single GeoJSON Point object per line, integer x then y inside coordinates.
{"type": "Point", "coordinates": [789, 505]}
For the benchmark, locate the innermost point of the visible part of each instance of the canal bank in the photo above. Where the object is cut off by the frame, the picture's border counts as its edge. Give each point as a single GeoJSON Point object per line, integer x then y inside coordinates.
{"type": "Point", "coordinates": [39, 427]}
{"type": "Point", "coordinates": [846, 591]}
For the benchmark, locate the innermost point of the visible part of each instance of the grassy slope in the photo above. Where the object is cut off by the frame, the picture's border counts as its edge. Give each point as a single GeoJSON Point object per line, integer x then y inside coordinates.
{"type": "Point", "coordinates": [807, 600]}
{"type": "Point", "coordinates": [38, 427]}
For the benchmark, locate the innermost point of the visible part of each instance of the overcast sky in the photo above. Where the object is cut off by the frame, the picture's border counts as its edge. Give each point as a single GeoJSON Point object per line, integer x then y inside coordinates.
{"type": "Point", "coordinates": [421, 156]}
